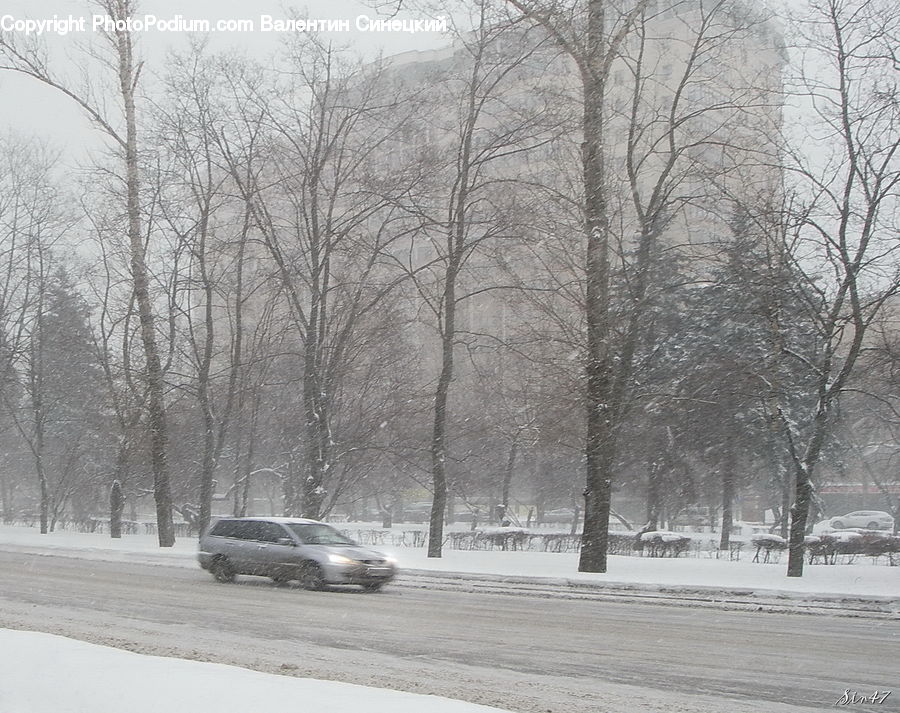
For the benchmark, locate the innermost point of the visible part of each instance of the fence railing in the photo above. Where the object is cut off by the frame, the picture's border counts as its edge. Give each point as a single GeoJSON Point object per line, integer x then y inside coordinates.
{"type": "Point", "coordinates": [879, 548]}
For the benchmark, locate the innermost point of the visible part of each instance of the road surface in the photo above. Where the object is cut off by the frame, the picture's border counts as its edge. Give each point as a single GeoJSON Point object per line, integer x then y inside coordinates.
{"type": "Point", "coordinates": [521, 653]}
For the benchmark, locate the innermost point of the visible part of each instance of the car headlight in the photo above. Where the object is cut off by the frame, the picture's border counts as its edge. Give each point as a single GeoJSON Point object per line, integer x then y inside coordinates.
{"type": "Point", "coordinates": [340, 559]}
{"type": "Point", "coordinates": [390, 560]}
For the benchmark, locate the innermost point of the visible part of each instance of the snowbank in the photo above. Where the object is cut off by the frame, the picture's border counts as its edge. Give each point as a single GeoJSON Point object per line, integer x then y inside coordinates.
{"type": "Point", "coordinates": [79, 677]}
{"type": "Point", "coordinates": [857, 580]}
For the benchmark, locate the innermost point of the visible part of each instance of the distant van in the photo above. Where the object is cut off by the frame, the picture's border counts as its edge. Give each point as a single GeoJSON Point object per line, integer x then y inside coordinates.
{"type": "Point", "coordinates": [310, 552]}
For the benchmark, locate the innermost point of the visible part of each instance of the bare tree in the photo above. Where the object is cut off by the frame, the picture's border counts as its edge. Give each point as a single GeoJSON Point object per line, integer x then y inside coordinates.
{"type": "Point", "coordinates": [120, 59]}
{"type": "Point", "coordinates": [31, 226]}
{"type": "Point", "coordinates": [654, 76]}
{"type": "Point", "coordinates": [875, 426]}
{"type": "Point", "coordinates": [464, 203]}
{"type": "Point", "coordinates": [305, 155]}
{"type": "Point", "coordinates": [844, 239]}
{"type": "Point", "coordinates": [592, 34]}
{"type": "Point", "coordinates": [214, 229]}
{"type": "Point", "coordinates": [688, 108]}
{"type": "Point", "coordinates": [115, 338]}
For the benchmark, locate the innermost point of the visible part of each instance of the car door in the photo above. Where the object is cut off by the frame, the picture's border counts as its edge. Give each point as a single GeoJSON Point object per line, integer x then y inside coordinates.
{"type": "Point", "coordinates": [274, 554]}
{"type": "Point", "coordinates": [243, 545]}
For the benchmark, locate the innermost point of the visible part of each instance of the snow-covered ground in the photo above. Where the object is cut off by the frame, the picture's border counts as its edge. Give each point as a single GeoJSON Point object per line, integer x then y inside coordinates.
{"type": "Point", "coordinates": [43, 673]}
{"type": "Point", "coordinates": [860, 579]}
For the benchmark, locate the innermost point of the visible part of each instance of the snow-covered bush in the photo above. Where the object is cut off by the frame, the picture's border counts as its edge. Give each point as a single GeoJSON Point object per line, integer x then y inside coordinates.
{"type": "Point", "coordinates": [557, 542]}
{"type": "Point", "coordinates": [621, 543]}
{"type": "Point", "coordinates": [875, 544]}
{"type": "Point", "coordinates": [504, 538]}
{"type": "Point", "coordinates": [768, 545]}
{"type": "Point", "coordinates": [660, 543]}
{"type": "Point", "coordinates": [821, 548]}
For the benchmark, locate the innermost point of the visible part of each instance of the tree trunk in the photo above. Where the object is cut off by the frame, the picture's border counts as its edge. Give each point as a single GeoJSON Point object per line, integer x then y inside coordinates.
{"type": "Point", "coordinates": [727, 500]}
{"type": "Point", "coordinates": [439, 432]}
{"type": "Point", "coordinates": [116, 508]}
{"type": "Point", "coordinates": [236, 470]}
{"type": "Point", "coordinates": [785, 501]}
{"type": "Point", "coordinates": [803, 493]}
{"type": "Point", "coordinates": [208, 466]}
{"type": "Point", "coordinates": [599, 448]}
{"type": "Point", "coordinates": [45, 496]}
{"type": "Point", "coordinates": [799, 514]}
{"type": "Point", "coordinates": [457, 225]}
{"type": "Point", "coordinates": [248, 459]}
{"type": "Point", "coordinates": [576, 515]}
{"type": "Point", "coordinates": [38, 447]}
{"type": "Point", "coordinates": [508, 472]}
{"type": "Point", "coordinates": [155, 386]}
{"type": "Point", "coordinates": [7, 492]}
{"type": "Point", "coordinates": [315, 449]}
{"type": "Point", "coordinates": [243, 456]}
{"type": "Point", "coordinates": [36, 388]}
{"type": "Point", "coordinates": [651, 522]}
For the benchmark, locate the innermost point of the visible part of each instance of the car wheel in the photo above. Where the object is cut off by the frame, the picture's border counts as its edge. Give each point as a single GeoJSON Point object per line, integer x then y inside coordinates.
{"type": "Point", "coordinates": [222, 570]}
{"type": "Point", "coordinates": [373, 586]}
{"type": "Point", "coordinates": [837, 525]}
{"type": "Point", "coordinates": [873, 526]}
{"type": "Point", "coordinates": [311, 576]}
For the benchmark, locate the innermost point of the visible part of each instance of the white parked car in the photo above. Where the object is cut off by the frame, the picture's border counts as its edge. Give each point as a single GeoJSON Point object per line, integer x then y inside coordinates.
{"type": "Point", "coordinates": [864, 519]}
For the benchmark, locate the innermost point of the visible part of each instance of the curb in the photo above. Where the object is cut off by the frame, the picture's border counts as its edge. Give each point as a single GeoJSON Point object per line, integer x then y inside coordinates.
{"type": "Point", "coordinates": [671, 595]}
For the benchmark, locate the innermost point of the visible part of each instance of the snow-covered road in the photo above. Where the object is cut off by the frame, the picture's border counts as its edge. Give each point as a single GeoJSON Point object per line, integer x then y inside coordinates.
{"type": "Point", "coordinates": [517, 653]}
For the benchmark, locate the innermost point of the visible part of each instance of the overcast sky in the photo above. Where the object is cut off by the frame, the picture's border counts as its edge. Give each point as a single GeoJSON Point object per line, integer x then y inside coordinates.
{"type": "Point", "coordinates": [31, 108]}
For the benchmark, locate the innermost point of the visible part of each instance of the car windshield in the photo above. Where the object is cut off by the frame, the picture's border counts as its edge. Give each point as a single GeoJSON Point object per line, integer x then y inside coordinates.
{"type": "Point", "coordinates": [319, 535]}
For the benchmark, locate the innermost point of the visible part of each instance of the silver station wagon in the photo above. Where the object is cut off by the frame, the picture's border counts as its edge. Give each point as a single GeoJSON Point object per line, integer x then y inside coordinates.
{"type": "Point", "coordinates": [311, 552]}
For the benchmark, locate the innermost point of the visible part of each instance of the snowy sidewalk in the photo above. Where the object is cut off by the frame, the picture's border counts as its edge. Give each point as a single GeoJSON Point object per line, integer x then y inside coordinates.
{"type": "Point", "coordinates": [86, 677]}
{"type": "Point", "coordinates": [683, 578]}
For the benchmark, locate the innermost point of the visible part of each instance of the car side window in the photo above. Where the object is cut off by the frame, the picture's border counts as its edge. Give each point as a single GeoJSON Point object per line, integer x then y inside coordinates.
{"type": "Point", "coordinates": [257, 531]}
{"type": "Point", "coordinates": [223, 528]}
{"type": "Point", "coordinates": [271, 532]}
{"type": "Point", "coordinates": [247, 530]}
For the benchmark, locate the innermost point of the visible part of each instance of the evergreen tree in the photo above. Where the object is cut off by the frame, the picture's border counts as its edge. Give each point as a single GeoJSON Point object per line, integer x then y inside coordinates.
{"type": "Point", "coordinates": [64, 385]}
